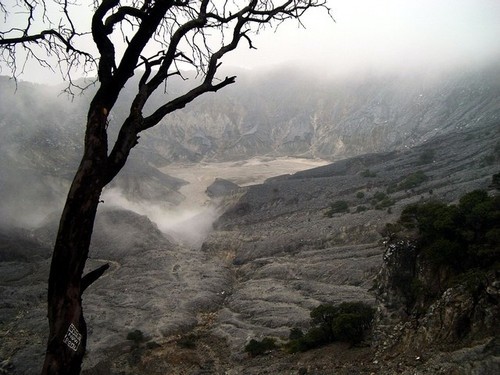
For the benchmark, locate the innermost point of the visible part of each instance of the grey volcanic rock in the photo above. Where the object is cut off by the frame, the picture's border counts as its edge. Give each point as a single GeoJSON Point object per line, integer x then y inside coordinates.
{"type": "Point", "coordinates": [19, 245]}
{"type": "Point", "coordinates": [280, 113]}
{"type": "Point", "coordinates": [152, 285]}
{"type": "Point", "coordinates": [274, 255]}
{"type": "Point", "coordinates": [138, 181]}
{"type": "Point", "coordinates": [290, 113]}
{"type": "Point", "coordinates": [278, 250]}
{"type": "Point", "coordinates": [221, 187]}
{"type": "Point", "coordinates": [121, 233]}
{"type": "Point", "coordinates": [288, 257]}
{"type": "Point", "coordinates": [455, 332]}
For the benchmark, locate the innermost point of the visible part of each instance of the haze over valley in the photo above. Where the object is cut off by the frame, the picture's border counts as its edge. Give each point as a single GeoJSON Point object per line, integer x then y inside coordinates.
{"type": "Point", "coordinates": [221, 228]}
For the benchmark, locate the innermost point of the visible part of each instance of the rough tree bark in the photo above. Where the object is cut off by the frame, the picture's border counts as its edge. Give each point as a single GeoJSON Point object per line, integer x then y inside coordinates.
{"type": "Point", "coordinates": [66, 322]}
{"type": "Point", "coordinates": [182, 32]}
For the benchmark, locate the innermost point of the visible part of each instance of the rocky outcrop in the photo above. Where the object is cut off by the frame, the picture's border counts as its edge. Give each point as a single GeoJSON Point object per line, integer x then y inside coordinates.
{"type": "Point", "coordinates": [221, 187]}
{"type": "Point", "coordinates": [456, 331]}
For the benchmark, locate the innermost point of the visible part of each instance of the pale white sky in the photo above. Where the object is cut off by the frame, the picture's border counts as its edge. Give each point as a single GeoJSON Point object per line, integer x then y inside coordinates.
{"type": "Point", "coordinates": [385, 34]}
{"type": "Point", "coordinates": [374, 35]}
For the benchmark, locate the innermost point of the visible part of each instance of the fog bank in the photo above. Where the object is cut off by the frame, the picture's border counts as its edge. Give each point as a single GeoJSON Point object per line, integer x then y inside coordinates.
{"type": "Point", "coordinates": [191, 221]}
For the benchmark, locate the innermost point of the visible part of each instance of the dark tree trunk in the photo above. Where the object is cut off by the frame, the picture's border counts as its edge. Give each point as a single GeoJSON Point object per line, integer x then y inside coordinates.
{"type": "Point", "coordinates": [170, 24]}
{"type": "Point", "coordinates": [68, 331]}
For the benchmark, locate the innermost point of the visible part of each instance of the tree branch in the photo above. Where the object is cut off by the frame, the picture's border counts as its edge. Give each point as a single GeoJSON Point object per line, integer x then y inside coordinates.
{"type": "Point", "coordinates": [182, 101]}
{"type": "Point", "coordinates": [120, 15]}
{"type": "Point", "coordinates": [100, 35]}
{"type": "Point", "coordinates": [92, 277]}
{"type": "Point", "coordinates": [35, 38]}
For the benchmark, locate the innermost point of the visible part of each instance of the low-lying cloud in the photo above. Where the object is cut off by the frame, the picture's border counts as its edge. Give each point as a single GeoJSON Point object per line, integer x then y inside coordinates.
{"type": "Point", "coordinates": [187, 225]}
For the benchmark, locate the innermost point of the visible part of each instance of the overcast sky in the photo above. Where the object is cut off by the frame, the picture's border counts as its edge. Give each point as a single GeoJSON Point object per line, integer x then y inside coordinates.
{"type": "Point", "coordinates": [374, 35]}
{"type": "Point", "coordinates": [385, 34]}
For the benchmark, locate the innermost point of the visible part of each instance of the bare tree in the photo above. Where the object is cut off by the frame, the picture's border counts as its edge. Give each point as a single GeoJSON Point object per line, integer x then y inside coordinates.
{"type": "Point", "coordinates": [153, 39]}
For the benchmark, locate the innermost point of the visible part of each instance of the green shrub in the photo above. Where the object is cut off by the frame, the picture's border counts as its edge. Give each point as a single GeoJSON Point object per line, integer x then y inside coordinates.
{"type": "Point", "coordinates": [351, 321]}
{"type": "Point", "coordinates": [361, 208]}
{"type": "Point", "coordinates": [255, 348]}
{"type": "Point", "coordinates": [337, 207]}
{"type": "Point", "coordinates": [469, 201]}
{"type": "Point", "coordinates": [368, 173]}
{"type": "Point", "coordinates": [473, 280]}
{"type": "Point", "coordinates": [136, 336]}
{"type": "Point", "coordinates": [314, 338]}
{"type": "Point", "coordinates": [381, 200]}
{"type": "Point", "coordinates": [385, 203]}
{"type": "Point", "coordinates": [322, 317]}
{"type": "Point", "coordinates": [495, 181]}
{"type": "Point", "coordinates": [462, 237]}
{"type": "Point", "coordinates": [295, 334]}
{"type": "Point", "coordinates": [360, 195]}
{"type": "Point", "coordinates": [409, 182]}
{"type": "Point", "coordinates": [187, 341]}
{"type": "Point", "coordinates": [347, 322]}
{"type": "Point", "coordinates": [379, 195]}
{"type": "Point", "coordinates": [152, 345]}
{"type": "Point", "coordinates": [426, 157]}
{"type": "Point", "coordinates": [443, 252]}
{"type": "Point", "coordinates": [413, 180]}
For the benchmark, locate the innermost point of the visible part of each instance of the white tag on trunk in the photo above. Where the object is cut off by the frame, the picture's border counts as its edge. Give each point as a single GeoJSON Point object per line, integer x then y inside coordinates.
{"type": "Point", "coordinates": [72, 338]}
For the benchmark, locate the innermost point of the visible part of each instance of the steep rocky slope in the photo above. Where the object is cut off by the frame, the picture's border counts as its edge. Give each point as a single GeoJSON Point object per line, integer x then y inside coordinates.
{"type": "Point", "coordinates": [280, 249]}
{"type": "Point", "coordinates": [284, 256]}
{"type": "Point", "coordinates": [455, 331]}
{"type": "Point", "coordinates": [288, 256]}
{"type": "Point", "coordinates": [277, 113]}
{"type": "Point", "coordinates": [273, 257]}
{"type": "Point", "coordinates": [287, 112]}
{"type": "Point", "coordinates": [152, 285]}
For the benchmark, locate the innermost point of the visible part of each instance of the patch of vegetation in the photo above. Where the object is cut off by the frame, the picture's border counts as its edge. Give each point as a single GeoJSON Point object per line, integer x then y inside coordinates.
{"type": "Point", "coordinates": [473, 280]}
{"type": "Point", "coordinates": [495, 181]}
{"type": "Point", "coordinates": [493, 157]}
{"type": "Point", "coordinates": [368, 174]}
{"type": "Point", "coordinates": [361, 208]}
{"type": "Point", "coordinates": [136, 336]}
{"type": "Point", "coordinates": [187, 341]}
{"type": "Point", "coordinates": [152, 345]}
{"type": "Point", "coordinates": [456, 245]}
{"type": "Point", "coordinates": [413, 180]}
{"type": "Point", "coordinates": [337, 207]}
{"type": "Point", "coordinates": [295, 334]}
{"type": "Point", "coordinates": [409, 182]}
{"type": "Point", "coordinates": [426, 157]}
{"type": "Point", "coordinates": [385, 203]}
{"type": "Point", "coordinates": [255, 348]}
{"type": "Point", "coordinates": [381, 200]}
{"type": "Point", "coordinates": [346, 322]}
{"type": "Point", "coordinates": [360, 195]}
{"type": "Point", "coordinates": [379, 195]}
{"type": "Point", "coordinates": [463, 236]}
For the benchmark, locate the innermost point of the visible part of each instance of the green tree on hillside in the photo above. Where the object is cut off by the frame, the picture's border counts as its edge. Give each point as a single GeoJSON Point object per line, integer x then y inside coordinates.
{"type": "Point", "coordinates": [346, 322]}
{"type": "Point", "coordinates": [462, 236]}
